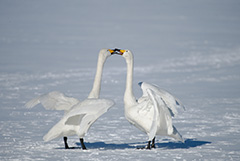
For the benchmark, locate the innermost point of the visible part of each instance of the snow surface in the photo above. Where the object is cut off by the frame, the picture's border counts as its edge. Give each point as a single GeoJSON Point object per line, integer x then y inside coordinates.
{"type": "Point", "coordinates": [189, 47]}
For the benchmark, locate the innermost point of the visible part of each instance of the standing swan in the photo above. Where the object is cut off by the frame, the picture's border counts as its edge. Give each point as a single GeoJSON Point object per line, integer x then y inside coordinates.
{"type": "Point", "coordinates": [152, 113]}
{"type": "Point", "coordinates": [79, 116]}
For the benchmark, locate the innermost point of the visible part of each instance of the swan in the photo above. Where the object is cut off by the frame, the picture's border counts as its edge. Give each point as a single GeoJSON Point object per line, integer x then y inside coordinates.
{"type": "Point", "coordinates": [152, 113]}
{"type": "Point", "coordinates": [78, 116]}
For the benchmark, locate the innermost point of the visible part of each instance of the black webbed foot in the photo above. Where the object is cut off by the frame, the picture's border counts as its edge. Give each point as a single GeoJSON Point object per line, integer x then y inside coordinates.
{"type": "Point", "coordinates": [149, 145]}
{"type": "Point", "coordinates": [146, 147]}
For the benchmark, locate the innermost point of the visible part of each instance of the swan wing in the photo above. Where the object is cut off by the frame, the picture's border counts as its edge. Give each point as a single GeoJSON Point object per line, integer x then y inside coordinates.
{"type": "Point", "coordinates": [53, 101]}
{"type": "Point", "coordinates": [89, 107]}
{"type": "Point", "coordinates": [172, 102]}
{"type": "Point", "coordinates": [75, 120]}
{"type": "Point", "coordinates": [165, 115]}
{"type": "Point", "coordinates": [163, 118]}
{"type": "Point", "coordinates": [153, 129]}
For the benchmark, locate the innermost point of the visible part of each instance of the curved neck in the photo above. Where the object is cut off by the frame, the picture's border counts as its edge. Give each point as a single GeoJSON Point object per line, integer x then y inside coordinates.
{"type": "Point", "coordinates": [98, 77]}
{"type": "Point", "coordinates": [129, 98]}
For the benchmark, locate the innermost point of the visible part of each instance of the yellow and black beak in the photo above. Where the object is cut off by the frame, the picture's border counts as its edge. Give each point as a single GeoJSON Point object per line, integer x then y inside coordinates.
{"type": "Point", "coordinates": [111, 51]}
{"type": "Point", "coordinates": [116, 51]}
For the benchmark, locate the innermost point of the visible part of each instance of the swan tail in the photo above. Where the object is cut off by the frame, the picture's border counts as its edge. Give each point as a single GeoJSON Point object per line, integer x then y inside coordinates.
{"type": "Point", "coordinates": [33, 102]}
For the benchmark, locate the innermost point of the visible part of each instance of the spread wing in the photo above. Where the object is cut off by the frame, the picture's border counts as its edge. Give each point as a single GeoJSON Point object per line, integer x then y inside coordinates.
{"type": "Point", "coordinates": [53, 101]}
{"type": "Point", "coordinates": [90, 109]}
{"type": "Point", "coordinates": [171, 102]}
{"type": "Point", "coordinates": [162, 115]}
{"type": "Point", "coordinates": [153, 129]}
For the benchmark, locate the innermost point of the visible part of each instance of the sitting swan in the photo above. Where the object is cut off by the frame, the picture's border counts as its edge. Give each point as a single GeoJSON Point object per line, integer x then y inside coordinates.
{"type": "Point", "coordinates": [79, 116]}
{"type": "Point", "coordinates": [152, 113]}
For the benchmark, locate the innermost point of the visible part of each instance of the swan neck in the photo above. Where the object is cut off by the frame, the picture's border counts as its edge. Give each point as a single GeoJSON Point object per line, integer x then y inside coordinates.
{"type": "Point", "coordinates": [98, 77]}
{"type": "Point", "coordinates": [129, 98]}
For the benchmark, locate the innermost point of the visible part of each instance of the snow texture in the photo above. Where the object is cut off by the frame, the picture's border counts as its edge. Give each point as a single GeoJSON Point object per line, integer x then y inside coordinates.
{"type": "Point", "coordinates": [191, 48]}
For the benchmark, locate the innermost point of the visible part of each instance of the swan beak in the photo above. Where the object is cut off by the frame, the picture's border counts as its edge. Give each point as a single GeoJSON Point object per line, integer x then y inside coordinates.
{"type": "Point", "coordinates": [122, 51]}
{"type": "Point", "coordinates": [116, 51]}
{"type": "Point", "coordinates": [111, 51]}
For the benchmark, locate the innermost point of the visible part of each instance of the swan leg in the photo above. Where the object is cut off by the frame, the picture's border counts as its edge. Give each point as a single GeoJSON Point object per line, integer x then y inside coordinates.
{"type": "Point", "coordinates": [65, 143]}
{"type": "Point", "coordinates": [153, 143]}
{"type": "Point", "coordinates": [82, 144]}
{"type": "Point", "coordinates": [148, 145]}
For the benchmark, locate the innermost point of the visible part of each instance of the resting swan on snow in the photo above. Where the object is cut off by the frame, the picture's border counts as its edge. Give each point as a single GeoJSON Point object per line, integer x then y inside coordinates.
{"type": "Point", "coordinates": [152, 113]}
{"type": "Point", "coordinates": [79, 116]}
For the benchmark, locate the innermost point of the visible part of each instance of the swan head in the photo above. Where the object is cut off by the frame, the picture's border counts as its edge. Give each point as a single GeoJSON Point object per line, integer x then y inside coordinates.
{"type": "Point", "coordinates": [105, 53]}
{"type": "Point", "coordinates": [127, 54]}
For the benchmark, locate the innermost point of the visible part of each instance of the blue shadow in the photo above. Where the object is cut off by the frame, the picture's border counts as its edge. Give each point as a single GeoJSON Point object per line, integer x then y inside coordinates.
{"type": "Point", "coordinates": [189, 143]}
{"type": "Point", "coordinates": [102, 145]}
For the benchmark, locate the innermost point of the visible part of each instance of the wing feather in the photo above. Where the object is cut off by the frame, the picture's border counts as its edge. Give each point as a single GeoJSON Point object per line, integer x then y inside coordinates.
{"type": "Point", "coordinates": [171, 101]}
{"type": "Point", "coordinates": [94, 107]}
{"type": "Point", "coordinates": [163, 114]}
{"type": "Point", "coordinates": [53, 101]}
{"type": "Point", "coordinates": [153, 129]}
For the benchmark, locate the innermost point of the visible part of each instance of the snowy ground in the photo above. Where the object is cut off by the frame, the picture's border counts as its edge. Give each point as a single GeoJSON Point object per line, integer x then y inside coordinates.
{"type": "Point", "coordinates": [190, 48]}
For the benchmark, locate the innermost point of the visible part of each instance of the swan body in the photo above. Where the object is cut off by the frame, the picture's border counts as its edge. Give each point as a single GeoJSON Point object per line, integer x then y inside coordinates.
{"type": "Point", "coordinates": [79, 115]}
{"type": "Point", "coordinates": [164, 106]}
{"type": "Point", "coordinates": [152, 113]}
{"type": "Point", "coordinates": [79, 119]}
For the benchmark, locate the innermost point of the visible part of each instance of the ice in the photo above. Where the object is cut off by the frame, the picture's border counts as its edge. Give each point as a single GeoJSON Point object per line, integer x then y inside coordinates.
{"type": "Point", "coordinates": [190, 48]}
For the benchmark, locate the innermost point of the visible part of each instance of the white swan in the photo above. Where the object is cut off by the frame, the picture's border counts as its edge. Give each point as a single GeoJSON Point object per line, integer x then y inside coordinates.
{"type": "Point", "coordinates": [79, 116]}
{"type": "Point", "coordinates": [152, 113]}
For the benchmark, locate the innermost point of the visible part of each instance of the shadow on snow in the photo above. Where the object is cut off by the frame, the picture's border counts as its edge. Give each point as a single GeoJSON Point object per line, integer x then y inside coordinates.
{"type": "Point", "coordinates": [189, 143]}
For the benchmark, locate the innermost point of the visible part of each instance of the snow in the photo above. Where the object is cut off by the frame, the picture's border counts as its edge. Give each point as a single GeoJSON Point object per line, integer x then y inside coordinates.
{"type": "Point", "coordinates": [190, 48]}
